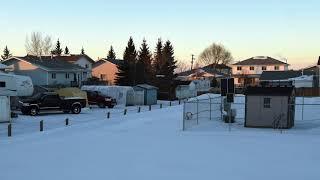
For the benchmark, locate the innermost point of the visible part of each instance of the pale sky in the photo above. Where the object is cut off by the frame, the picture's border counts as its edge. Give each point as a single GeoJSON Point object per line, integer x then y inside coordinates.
{"type": "Point", "coordinates": [286, 28]}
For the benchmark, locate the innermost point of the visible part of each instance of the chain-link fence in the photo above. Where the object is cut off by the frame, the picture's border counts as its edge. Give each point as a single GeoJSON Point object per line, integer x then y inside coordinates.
{"type": "Point", "coordinates": [210, 110]}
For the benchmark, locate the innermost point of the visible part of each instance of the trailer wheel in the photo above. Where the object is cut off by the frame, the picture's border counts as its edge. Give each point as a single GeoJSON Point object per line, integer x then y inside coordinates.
{"type": "Point", "coordinates": [34, 111]}
{"type": "Point", "coordinates": [76, 109]}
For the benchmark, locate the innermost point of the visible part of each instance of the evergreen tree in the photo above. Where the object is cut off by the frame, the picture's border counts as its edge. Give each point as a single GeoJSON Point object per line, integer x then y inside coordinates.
{"type": "Point", "coordinates": [66, 50]}
{"type": "Point", "coordinates": [169, 64]}
{"type": "Point", "coordinates": [111, 54]}
{"type": "Point", "coordinates": [6, 53]}
{"type": "Point", "coordinates": [127, 70]}
{"type": "Point", "coordinates": [144, 67]}
{"type": "Point", "coordinates": [57, 50]}
{"type": "Point", "coordinates": [82, 51]}
{"type": "Point", "coordinates": [158, 59]}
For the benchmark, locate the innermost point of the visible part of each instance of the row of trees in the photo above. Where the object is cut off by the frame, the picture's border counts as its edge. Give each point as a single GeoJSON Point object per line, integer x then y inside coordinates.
{"type": "Point", "coordinates": [143, 67]}
{"type": "Point", "coordinates": [38, 45]}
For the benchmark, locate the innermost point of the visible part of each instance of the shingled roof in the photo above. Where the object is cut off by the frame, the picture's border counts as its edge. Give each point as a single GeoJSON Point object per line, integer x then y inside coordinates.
{"type": "Point", "coordinates": [208, 69]}
{"type": "Point", "coordinates": [75, 57]}
{"type": "Point", "coordinates": [282, 75]}
{"type": "Point", "coordinates": [49, 63]}
{"type": "Point", "coordinates": [260, 60]}
{"type": "Point", "coordinates": [102, 61]}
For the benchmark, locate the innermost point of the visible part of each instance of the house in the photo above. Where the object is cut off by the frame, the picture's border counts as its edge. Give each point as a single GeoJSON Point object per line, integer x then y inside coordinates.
{"type": "Point", "coordinates": [149, 94]}
{"type": "Point", "coordinates": [207, 72]}
{"type": "Point", "coordinates": [82, 60]}
{"type": "Point", "coordinates": [248, 72]}
{"type": "Point", "coordinates": [316, 70]}
{"type": "Point", "coordinates": [296, 78]}
{"type": "Point", "coordinates": [269, 107]}
{"type": "Point", "coordinates": [47, 70]}
{"type": "Point", "coordinates": [106, 70]}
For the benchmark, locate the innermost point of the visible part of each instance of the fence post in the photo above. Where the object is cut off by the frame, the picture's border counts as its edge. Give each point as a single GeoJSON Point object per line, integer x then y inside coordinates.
{"type": "Point", "coordinates": [179, 101]}
{"type": "Point", "coordinates": [229, 117]}
{"type": "Point", "coordinates": [183, 116]}
{"type": "Point", "coordinates": [139, 109]}
{"type": "Point", "coordinates": [67, 121]}
{"type": "Point", "coordinates": [160, 106]}
{"type": "Point", "coordinates": [197, 111]}
{"type": "Point", "coordinates": [210, 107]}
{"type": "Point", "coordinates": [302, 113]}
{"type": "Point", "coordinates": [170, 103]}
{"type": "Point", "coordinates": [9, 130]}
{"type": "Point", "coordinates": [108, 115]}
{"type": "Point", "coordinates": [41, 125]}
{"type": "Point", "coordinates": [149, 107]}
{"type": "Point", "coordinates": [221, 108]}
{"type": "Point", "coordinates": [125, 112]}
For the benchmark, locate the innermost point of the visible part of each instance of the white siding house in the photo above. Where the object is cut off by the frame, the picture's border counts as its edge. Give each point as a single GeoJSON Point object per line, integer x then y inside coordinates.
{"type": "Point", "coordinates": [248, 72]}
{"type": "Point", "coordinates": [47, 70]}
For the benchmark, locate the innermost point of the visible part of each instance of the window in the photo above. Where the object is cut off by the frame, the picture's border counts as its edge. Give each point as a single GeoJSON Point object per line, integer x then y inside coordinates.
{"type": "Point", "coordinates": [2, 84]}
{"type": "Point", "coordinates": [276, 68]}
{"type": "Point", "coordinates": [102, 76]}
{"type": "Point", "coordinates": [53, 76]}
{"type": "Point", "coordinates": [87, 66]}
{"type": "Point", "coordinates": [267, 102]}
{"type": "Point", "coordinates": [264, 68]}
{"type": "Point", "coordinates": [251, 68]}
{"type": "Point", "coordinates": [67, 76]}
{"type": "Point", "coordinates": [239, 68]}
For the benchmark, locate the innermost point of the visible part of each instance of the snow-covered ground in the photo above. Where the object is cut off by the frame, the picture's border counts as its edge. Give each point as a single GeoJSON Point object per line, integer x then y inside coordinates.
{"type": "Point", "coordinates": [151, 145]}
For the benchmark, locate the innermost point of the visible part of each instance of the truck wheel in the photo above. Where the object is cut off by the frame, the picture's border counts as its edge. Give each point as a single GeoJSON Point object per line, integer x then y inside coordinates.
{"type": "Point", "coordinates": [76, 109]}
{"type": "Point", "coordinates": [102, 105]}
{"type": "Point", "coordinates": [33, 111]}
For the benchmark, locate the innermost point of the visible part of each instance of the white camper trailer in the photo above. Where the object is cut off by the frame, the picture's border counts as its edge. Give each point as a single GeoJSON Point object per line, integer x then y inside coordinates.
{"type": "Point", "coordinates": [12, 85]}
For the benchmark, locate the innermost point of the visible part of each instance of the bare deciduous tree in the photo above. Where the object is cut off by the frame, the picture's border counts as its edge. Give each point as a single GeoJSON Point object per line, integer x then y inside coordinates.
{"type": "Point", "coordinates": [215, 54]}
{"type": "Point", "coordinates": [182, 67]}
{"type": "Point", "coordinates": [37, 45]}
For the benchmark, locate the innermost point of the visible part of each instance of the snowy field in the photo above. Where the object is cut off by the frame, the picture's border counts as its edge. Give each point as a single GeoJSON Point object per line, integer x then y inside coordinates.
{"type": "Point", "coordinates": [151, 145]}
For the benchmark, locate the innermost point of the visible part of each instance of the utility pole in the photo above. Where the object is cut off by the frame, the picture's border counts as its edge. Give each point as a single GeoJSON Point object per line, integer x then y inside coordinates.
{"type": "Point", "coordinates": [192, 60]}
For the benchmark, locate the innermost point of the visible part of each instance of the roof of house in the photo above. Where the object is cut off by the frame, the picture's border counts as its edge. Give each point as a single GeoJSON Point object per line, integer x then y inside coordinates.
{"type": "Point", "coordinates": [207, 69]}
{"type": "Point", "coordinates": [49, 63]}
{"type": "Point", "coordinates": [146, 86]}
{"type": "Point", "coordinates": [102, 61]}
{"type": "Point", "coordinates": [282, 75]}
{"type": "Point", "coordinates": [75, 57]}
{"type": "Point", "coordinates": [260, 60]}
{"type": "Point", "coordinates": [269, 91]}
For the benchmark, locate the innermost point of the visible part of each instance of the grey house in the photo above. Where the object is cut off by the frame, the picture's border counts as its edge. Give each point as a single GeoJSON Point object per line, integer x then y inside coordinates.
{"type": "Point", "coordinates": [149, 93]}
{"type": "Point", "coordinates": [47, 70]}
{"type": "Point", "coordinates": [269, 107]}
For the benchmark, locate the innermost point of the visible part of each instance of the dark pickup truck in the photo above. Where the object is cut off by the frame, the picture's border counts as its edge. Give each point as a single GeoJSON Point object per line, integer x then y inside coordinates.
{"type": "Point", "coordinates": [53, 102]}
{"type": "Point", "coordinates": [95, 98]}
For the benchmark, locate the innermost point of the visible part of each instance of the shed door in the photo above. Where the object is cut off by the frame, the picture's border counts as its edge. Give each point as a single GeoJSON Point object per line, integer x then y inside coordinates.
{"type": "Point", "coordinates": [4, 109]}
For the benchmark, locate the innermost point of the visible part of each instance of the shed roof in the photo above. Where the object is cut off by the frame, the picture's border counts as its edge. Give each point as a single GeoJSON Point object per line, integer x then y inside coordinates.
{"type": "Point", "coordinates": [146, 86]}
{"type": "Point", "coordinates": [269, 91]}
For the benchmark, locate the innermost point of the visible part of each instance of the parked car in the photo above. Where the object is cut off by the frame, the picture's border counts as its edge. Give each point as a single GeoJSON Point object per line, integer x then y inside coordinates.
{"type": "Point", "coordinates": [53, 102]}
{"type": "Point", "coordinates": [95, 98]}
